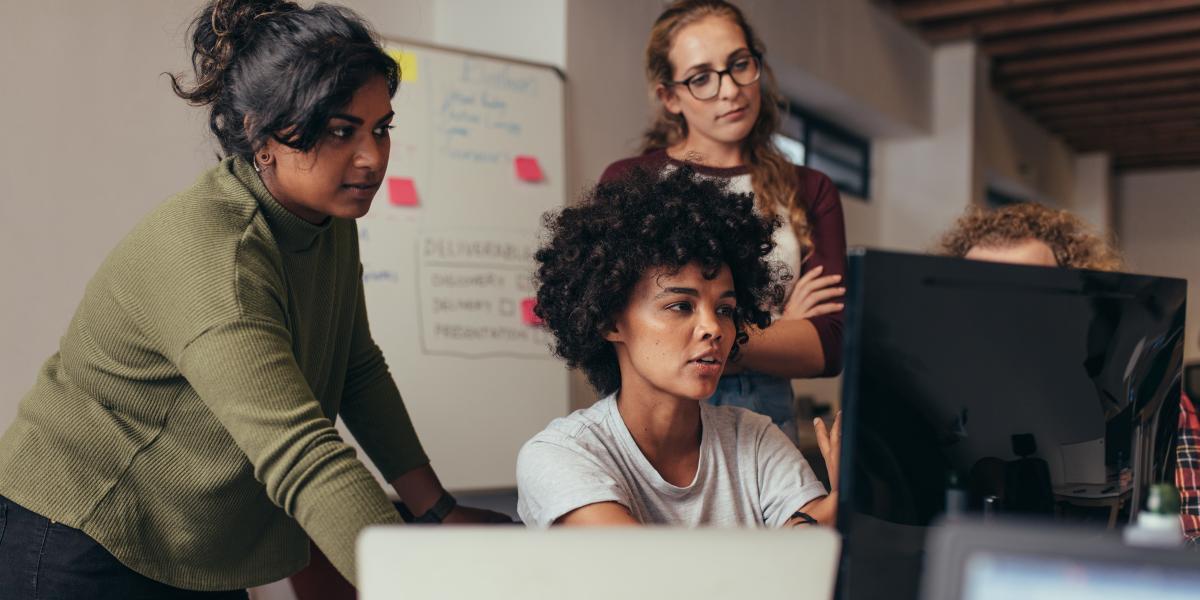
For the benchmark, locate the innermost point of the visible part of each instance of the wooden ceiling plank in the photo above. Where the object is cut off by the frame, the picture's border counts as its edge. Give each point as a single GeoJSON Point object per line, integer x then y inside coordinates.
{"type": "Point", "coordinates": [1125, 31]}
{"type": "Point", "coordinates": [1109, 91]}
{"type": "Point", "coordinates": [1118, 54]}
{"type": "Point", "coordinates": [1163, 163]}
{"type": "Point", "coordinates": [923, 10]}
{"type": "Point", "coordinates": [1163, 68]}
{"type": "Point", "coordinates": [1151, 155]}
{"type": "Point", "coordinates": [1049, 17]}
{"type": "Point", "coordinates": [1165, 124]}
{"type": "Point", "coordinates": [1131, 144]}
{"type": "Point", "coordinates": [1119, 106]}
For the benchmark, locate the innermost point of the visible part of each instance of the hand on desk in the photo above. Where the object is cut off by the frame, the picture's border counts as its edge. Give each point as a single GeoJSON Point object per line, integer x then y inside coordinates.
{"type": "Point", "coordinates": [465, 515]}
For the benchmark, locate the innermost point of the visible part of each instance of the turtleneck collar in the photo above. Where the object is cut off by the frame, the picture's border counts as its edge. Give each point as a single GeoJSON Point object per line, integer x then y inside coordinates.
{"type": "Point", "coordinates": [292, 233]}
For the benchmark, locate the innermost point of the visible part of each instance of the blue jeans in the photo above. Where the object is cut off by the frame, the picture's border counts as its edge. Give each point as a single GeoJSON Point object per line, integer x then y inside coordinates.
{"type": "Point", "coordinates": [42, 559]}
{"type": "Point", "coordinates": [764, 394]}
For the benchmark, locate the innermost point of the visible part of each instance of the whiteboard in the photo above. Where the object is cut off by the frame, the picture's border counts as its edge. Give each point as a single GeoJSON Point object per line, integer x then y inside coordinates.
{"type": "Point", "coordinates": [447, 251]}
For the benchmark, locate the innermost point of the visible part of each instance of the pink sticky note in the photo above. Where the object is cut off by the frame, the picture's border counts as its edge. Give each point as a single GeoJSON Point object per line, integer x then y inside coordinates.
{"type": "Point", "coordinates": [528, 169]}
{"type": "Point", "coordinates": [527, 314]}
{"type": "Point", "coordinates": [402, 192]}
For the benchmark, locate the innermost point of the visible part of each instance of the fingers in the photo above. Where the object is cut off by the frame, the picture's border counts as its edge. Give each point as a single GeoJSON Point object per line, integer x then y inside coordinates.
{"type": "Point", "coordinates": [817, 284]}
{"type": "Point", "coordinates": [823, 441]}
{"type": "Point", "coordinates": [835, 436]}
{"type": "Point", "coordinates": [823, 309]}
{"type": "Point", "coordinates": [820, 296]}
{"type": "Point", "coordinates": [807, 277]}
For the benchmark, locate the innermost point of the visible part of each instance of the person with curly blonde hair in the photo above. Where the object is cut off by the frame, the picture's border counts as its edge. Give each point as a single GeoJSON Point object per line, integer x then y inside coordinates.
{"type": "Point", "coordinates": [1028, 233]}
{"type": "Point", "coordinates": [1031, 234]}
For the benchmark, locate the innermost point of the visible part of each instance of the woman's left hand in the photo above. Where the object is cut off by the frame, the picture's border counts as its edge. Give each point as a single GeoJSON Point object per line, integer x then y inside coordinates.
{"type": "Point", "coordinates": [814, 296]}
{"type": "Point", "coordinates": [465, 515]}
{"type": "Point", "coordinates": [830, 443]}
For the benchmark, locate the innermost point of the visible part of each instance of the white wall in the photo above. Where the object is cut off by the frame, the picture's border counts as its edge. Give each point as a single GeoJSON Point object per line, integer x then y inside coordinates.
{"type": "Point", "coordinates": [532, 30]}
{"type": "Point", "coordinates": [93, 139]}
{"type": "Point", "coordinates": [1159, 233]}
{"type": "Point", "coordinates": [1015, 153]}
{"type": "Point", "coordinates": [1092, 192]}
{"type": "Point", "coordinates": [924, 182]}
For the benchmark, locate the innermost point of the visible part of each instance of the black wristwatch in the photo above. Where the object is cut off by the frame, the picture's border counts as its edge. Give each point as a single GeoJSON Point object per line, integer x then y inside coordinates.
{"type": "Point", "coordinates": [436, 514]}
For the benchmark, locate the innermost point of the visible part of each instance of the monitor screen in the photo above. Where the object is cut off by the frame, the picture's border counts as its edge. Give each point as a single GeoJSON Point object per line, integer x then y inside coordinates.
{"type": "Point", "coordinates": [976, 387]}
{"type": "Point", "coordinates": [995, 576]}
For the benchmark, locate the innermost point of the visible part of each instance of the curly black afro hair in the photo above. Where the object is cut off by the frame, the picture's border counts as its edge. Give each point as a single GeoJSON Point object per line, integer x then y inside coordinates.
{"type": "Point", "coordinates": [596, 252]}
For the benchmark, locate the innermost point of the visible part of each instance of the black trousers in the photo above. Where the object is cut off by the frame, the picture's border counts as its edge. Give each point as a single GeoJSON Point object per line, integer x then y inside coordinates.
{"type": "Point", "coordinates": [45, 560]}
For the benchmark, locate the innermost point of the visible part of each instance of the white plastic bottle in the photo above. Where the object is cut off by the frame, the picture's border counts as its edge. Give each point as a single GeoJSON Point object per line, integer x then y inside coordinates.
{"type": "Point", "coordinates": [1158, 524]}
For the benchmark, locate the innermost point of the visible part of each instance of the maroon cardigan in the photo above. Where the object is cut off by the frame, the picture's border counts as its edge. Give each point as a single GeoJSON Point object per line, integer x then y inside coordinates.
{"type": "Point", "coordinates": [827, 228]}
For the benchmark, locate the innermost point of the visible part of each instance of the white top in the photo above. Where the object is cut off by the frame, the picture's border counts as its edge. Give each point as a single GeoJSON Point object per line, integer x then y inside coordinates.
{"type": "Point", "coordinates": [749, 473]}
{"type": "Point", "coordinates": [787, 245]}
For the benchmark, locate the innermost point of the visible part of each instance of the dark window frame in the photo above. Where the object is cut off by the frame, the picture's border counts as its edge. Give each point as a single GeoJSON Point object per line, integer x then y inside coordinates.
{"type": "Point", "coordinates": [810, 124]}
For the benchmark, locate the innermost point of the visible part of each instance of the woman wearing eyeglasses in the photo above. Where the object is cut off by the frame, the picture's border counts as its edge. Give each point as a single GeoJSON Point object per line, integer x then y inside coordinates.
{"type": "Point", "coordinates": [718, 110]}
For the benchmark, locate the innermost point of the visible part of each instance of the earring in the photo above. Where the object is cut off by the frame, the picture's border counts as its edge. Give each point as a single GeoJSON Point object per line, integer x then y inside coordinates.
{"type": "Point", "coordinates": [264, 159]}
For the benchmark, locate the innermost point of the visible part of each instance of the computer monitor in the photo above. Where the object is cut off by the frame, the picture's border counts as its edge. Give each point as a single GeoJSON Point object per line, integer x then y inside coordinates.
{"type": "Point", "coordinates": [601, 563]}
{"type": "Point", "coordinates": [1004, 560]}
{"type": "Point", "coordinates": [973, 386]}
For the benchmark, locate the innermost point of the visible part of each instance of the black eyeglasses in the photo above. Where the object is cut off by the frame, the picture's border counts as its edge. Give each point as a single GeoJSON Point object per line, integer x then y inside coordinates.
{"type": "Point", "coordinates": [705, 85]}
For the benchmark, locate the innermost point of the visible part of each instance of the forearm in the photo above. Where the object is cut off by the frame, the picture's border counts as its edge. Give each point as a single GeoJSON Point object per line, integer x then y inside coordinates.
{"type": "Point", "coordinates": [419, 488]}
{"type": "Point", "coordinates": [823, 509]}
{"type": "Point", "coordinates": [788, 348]}
{"type": "Point", "coordinates": [600, 514]}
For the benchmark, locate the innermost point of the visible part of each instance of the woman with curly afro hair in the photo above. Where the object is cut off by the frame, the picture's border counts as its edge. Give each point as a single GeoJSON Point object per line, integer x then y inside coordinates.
{"type": "Point", "coordinates": [1027, 233]}
{"type": "Point", "coordinates": [648, 287]}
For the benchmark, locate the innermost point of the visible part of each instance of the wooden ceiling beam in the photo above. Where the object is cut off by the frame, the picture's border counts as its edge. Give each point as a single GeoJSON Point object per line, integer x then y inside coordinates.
{"type": "Point", "coordinates": [1186, 133]}
{"type": "Point", "coordinates": [1121, 129]}
{"type": "Point", "coordinates": [1147, 135]}
{"type": "Point", "coordinates": [1119, 106]}
{"type": "Point", "coordinates": [1082, 77]}
{"type": "Point", "coordinates": [1130, 143]}
{"type": "Point", "coordinates": [1159, 153]}
{"type": "Point", "coordinates": [1109, 91]}
{"type": "Point", "coordinates": [923, 10]}
{"type": "Point", "coordinates": [1049, 17]}
{"type": "Point", "coordinates": [1119, 54]}
{"type": "Point", "coordinates": [1157, 163]}
{"type": "Point", "coordinates": [1127, 145]}
{"type": "Point", "coordinates": [1114, 33]}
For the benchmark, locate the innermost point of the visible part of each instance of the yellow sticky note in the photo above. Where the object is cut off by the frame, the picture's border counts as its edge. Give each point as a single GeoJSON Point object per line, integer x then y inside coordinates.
{"type": "Point", "coordinates": [407, 62]}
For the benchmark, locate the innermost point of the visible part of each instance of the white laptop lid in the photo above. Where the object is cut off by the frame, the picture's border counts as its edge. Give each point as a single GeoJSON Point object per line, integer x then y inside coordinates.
{"type": "Point", "coordinates": [596, 563]}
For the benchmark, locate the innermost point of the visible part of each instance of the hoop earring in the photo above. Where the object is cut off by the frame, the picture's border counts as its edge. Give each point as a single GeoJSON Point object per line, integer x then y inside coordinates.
{"type": "Point", "coordinates": [264, 159]}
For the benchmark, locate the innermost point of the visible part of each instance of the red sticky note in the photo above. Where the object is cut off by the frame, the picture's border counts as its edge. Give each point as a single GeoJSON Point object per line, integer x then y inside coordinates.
{"type": "Point", "coordinates": [402, 192]}
{"type": "Point", "coordinates": [528, 169]}
{"type": "Point", "coordinates": [527, 314]}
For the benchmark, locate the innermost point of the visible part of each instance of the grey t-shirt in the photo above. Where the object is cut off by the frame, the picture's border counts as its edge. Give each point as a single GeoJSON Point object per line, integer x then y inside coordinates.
{"type": "Point", "coordinates": [749, 475]}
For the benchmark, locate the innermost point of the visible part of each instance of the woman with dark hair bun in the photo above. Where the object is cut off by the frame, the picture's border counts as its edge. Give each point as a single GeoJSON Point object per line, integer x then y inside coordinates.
{"type": "Point", "coordinates": [181, 443]}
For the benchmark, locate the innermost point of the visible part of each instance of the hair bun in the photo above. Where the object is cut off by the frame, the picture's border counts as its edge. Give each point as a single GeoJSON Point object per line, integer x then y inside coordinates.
{"type": "Point", "coordinates": [224, 28]}
{"type": "Point", "coordinates": [235, 19]}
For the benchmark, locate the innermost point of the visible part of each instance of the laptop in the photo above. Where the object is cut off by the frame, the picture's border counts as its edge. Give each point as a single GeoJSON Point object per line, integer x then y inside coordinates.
{"type": "Point", "coordinates": [596, 563]}
{"type": "Point", "coordinates": [1002, 560]}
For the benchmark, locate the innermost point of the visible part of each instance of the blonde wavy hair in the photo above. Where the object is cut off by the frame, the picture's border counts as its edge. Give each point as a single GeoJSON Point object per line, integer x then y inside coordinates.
{"type": "Point", "coordinates": [772, 175]}
{"type": "Point", "coordinates": [1074, 244]}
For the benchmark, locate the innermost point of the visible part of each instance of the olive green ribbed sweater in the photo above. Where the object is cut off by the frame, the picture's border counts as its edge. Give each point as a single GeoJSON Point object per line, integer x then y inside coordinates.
{"type": "Point", "coordinates": [186, 422]}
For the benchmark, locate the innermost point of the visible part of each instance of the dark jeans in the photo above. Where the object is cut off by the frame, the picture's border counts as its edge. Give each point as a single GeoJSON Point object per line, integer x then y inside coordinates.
{"type": "Point", "coordinates": [45, 560]}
